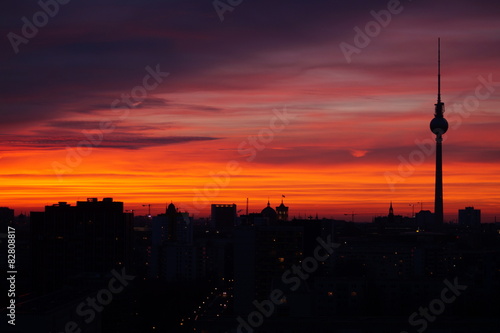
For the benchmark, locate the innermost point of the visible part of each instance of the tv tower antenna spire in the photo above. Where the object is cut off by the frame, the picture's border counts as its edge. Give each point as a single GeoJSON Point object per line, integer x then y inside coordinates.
{"type": "Point", "coordinates": [439, 70]}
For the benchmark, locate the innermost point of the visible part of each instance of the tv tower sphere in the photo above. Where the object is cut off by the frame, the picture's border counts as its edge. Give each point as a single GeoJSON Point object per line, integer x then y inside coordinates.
{"type": "Point", "coordinates": [439, 125]}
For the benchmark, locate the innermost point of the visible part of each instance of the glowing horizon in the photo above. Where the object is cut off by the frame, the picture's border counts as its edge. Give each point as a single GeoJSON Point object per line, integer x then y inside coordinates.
{"type": "Point", "coordinates": [280, 103]}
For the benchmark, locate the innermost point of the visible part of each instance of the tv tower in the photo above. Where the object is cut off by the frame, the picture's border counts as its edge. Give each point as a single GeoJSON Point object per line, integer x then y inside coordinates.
{"type": "Point", "coordinates": [439, 126]}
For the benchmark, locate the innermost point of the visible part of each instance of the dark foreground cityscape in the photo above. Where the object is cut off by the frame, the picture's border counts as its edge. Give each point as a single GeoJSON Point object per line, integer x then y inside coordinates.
{"type": "Point", "coordinates": [92, 267]}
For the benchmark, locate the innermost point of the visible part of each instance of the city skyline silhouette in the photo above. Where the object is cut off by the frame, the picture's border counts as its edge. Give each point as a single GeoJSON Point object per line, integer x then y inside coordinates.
{"type": "Point", "coordinates": [293, 113]}
{"type": "Point", "coordinates": [236, 166]}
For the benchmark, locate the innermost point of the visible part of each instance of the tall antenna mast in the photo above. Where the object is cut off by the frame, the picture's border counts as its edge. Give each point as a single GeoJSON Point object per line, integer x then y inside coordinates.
{"type": "Point", "coordinates": [439, 70]}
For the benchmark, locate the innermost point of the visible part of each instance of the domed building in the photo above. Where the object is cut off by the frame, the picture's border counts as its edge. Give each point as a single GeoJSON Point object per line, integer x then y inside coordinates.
{"type": "Point", "coordinates": [269, 214]}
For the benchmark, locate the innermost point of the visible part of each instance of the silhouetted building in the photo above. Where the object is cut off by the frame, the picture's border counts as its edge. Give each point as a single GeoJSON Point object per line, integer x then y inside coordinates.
{"type": "Point", "coordinates": [173, 254]}
{"type": "Point", "coordinates": [142, 242]}
{"type": "Point", "coordinates": [253, 219]}
{"type": "Point", "coordinates": [390, 220]}
{"type": "Point", "coordinates": [214, 257]}
{"type": "Point", "coordinates": [261, 255]}
{"type": "Point", "coordinates": [390, 217]}
{"type": "Point", "coordinates": [172, 227]}
{"type": "Point", "coordinates": [269, 214]}
{"type": "Point", "coordinates": [171, 218]}
{"type": "Point", "coordinates": [73, 242]}
{"type": "Point", "coordinates": [223, 216]}
{"type": "Point", "coordinates": [282, 212]}
{"type": "Point", "coordinates": [424, 218]}
{"type": "Point", "coordinates": [6, 216]}
{"type": "Point", "coordinates": [469, 217]}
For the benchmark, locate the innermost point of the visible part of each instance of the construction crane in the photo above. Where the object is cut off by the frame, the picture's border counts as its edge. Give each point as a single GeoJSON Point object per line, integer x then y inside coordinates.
{"type": "Point", "coordinates": [352, 216]}
{"type": "Point", "coordinates": [149, 209]}
{"type": "Point", "coordinates": [413, 208]}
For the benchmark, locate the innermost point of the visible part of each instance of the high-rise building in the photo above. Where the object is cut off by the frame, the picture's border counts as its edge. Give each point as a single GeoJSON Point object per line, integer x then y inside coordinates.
{"type": "Point", "coordinates": [261, 255]}
{"type": "Point", "coordinates": [469, 217]}
{"type": "Point", "coordinates": [173, 254]}
{"type": "Point", "coordinates": [69, 242]}
{"type": "Point", "coordinates": [6, 216]}
{"type": "Point", "coordinates": [223, 216]}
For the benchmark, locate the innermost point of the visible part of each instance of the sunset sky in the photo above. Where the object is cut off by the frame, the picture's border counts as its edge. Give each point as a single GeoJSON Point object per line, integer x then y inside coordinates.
{"type": "Point", "coordinates": [262, 104]}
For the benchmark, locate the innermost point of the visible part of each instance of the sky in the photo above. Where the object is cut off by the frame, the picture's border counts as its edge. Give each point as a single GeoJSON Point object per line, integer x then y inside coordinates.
{"type": "Point", "coordinates": [326, 103]}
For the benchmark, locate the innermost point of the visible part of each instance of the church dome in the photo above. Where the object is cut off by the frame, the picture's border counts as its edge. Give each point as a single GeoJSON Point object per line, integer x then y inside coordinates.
{"type": "Point", "coordinates": [269, 212]}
